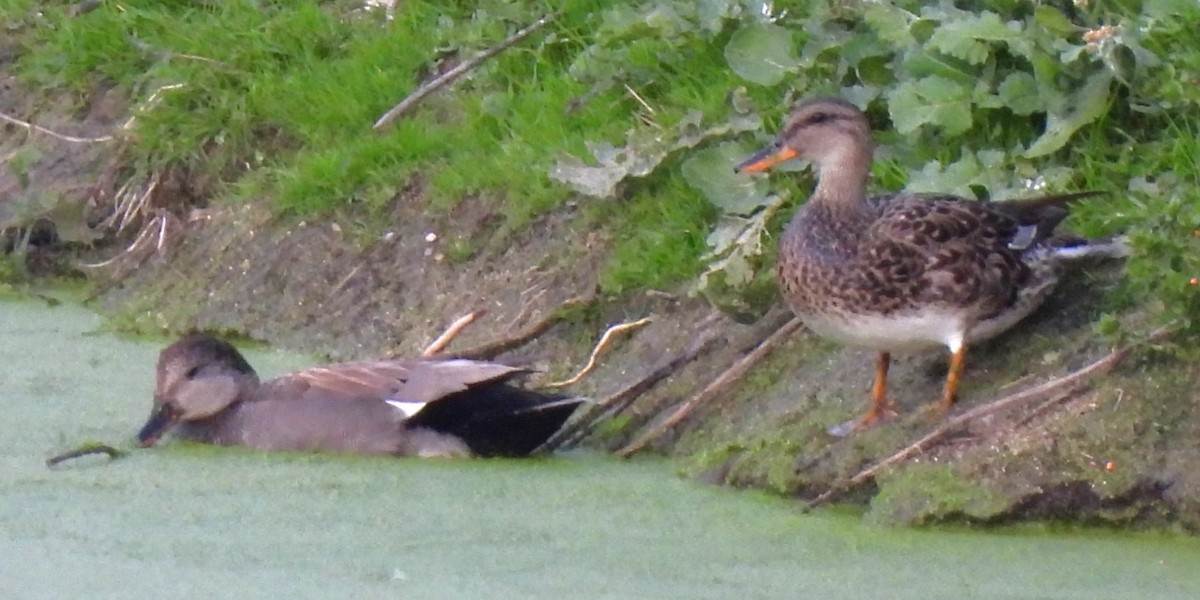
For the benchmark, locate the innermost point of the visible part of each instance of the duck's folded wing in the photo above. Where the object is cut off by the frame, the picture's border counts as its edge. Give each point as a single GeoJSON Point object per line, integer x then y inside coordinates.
{"type": "Point", "coordinates": [415, 381]}
{"type": "Point", "coordinates": [927, 222]}
{"type": "Point", "coordinates": [942, 250]}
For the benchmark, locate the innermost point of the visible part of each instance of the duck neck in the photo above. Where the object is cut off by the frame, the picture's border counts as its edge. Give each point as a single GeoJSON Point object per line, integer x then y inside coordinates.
{"type": "Point", "coordinates": [204, 430]}
{"type": "Point", "coordinates": [830, 223]}
{"type": "Point", "coordinates": [842, 178]}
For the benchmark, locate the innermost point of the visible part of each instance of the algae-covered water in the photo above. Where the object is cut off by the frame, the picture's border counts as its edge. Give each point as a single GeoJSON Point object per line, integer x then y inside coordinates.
{"type": "Point", "coordinates": [186, 521]}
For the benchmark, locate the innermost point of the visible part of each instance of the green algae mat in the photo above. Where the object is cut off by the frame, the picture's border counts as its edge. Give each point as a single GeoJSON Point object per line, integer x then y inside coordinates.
{"type": "Point", "coordinates": [191, 521]}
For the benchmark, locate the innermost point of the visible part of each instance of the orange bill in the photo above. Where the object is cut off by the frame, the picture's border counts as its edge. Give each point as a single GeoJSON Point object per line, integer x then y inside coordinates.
{"type": "Point", "coordinates": [765, 159]}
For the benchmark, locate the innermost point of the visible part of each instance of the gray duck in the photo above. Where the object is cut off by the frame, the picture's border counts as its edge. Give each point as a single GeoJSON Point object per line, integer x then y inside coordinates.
{"type": "Point", "coordinates": [902, 271]}
{"type": "Point", "coordinates": [206, 391]}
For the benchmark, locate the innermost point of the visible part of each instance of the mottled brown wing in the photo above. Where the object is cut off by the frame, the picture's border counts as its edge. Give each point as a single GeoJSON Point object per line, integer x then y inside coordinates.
{"type": "Point", "coordinates": [409, 380]}
{"type": "Point", "coordinates": [942, 250]}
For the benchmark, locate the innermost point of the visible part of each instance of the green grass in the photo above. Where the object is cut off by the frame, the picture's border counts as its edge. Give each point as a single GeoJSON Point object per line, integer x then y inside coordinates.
{"type": "Point", "coordinates": [277, 101]}
{"type": "Point", "coordinates": [287, 95]}
{"type": "Point", "coordinates": [663, 230]}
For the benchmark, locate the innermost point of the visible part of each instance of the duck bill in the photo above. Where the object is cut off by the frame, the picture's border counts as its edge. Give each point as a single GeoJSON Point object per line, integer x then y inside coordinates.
{"type": "Point", "coordinates": [161, 420]}
{"type": "Point", "coordinates": [765, 159]}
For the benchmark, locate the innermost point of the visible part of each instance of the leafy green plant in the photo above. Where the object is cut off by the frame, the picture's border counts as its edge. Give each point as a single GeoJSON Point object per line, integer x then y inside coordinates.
{"type": "Point", "coordinates": [971, 102]}
{"type": "Point", "coordinates": [643, 106]}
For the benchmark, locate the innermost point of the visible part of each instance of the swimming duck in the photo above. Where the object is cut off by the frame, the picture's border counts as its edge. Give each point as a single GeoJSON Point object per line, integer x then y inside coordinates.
{"type": "Point", "coordinates": [903, 271]}
{"type": "Point", "coordinates": [207, 392]}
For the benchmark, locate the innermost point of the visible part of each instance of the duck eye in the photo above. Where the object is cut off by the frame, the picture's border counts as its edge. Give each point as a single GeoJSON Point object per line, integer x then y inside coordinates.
{"type": "Point", "coordinates": [192, 372]}
{"type": "Point", "coordinates": [819, 118]}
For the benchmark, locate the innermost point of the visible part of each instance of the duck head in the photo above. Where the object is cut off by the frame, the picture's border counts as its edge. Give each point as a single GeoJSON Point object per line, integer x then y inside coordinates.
{"type": "Point", "coordinates": [197, 377]}
{"type": "Point", "coordinates": [825, 131]}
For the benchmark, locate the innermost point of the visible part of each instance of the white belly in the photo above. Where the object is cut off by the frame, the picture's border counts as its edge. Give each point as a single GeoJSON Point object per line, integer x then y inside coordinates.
{"type": "Point", "coordinates": [894, 333]}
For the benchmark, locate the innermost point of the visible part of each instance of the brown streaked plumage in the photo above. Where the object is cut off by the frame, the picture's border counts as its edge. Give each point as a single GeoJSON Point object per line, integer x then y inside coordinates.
{"type": "Point", "coordinates": [207, 392]}
{"type": "Point", "coordinates": [907, 271]}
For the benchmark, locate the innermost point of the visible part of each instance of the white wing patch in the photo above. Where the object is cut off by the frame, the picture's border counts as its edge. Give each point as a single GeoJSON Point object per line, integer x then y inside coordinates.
{"type": "Point", "coordinates": [1024, 237]}
{"type": "Point", "coordinates": [407, 407]}
{"type": "Point", "coordinates": [462, 362]}
{"type": "Point", "coordinates": [1118, 248]}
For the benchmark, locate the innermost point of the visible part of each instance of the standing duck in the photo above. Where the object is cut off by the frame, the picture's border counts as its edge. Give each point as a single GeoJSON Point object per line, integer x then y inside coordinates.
{"type": "Point", "coordinates": [207, 392]}
{"type": "Point", "coordinates": [902, 271]}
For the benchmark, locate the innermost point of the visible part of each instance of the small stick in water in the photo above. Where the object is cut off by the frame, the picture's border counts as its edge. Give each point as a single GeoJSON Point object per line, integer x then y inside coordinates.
{"type": "Point", "coordinates": [85, 450]}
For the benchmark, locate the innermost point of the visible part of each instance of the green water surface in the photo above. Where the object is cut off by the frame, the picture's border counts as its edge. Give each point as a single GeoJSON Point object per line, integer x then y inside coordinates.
{"type": "Point", "coordinates": [188, 521]}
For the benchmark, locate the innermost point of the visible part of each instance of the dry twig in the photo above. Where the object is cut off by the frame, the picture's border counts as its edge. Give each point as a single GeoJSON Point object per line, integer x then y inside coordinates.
{"type": "Point", "coordinates": [90, 140]}
{"type": "Point", "coordinates": [1014, 400]}
{"type": "Point", "coordinates": [497, 347]}
{"type": "Point", "coordinates": [150, 103]}
{"type": "Point", "coordinates": [724, 380]}
{"type": "Point", "coordinates": [615, 404]}
{"type": "Point", "coordinates": [132, 205]}
{"type": "Point", "coordinates": [451, 332]}
{"type": "Point", "coordinates": [157, 227]}
{"type": "Point", "coordinates": [449, 76]}
{"type": "Point", "coordinates": [66, 138]}
{"type": "Point", "coordinates": [600, 346]}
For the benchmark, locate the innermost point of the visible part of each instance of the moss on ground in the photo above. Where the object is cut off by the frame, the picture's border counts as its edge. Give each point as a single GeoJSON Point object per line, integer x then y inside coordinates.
{"type": "Point", "coordinates": [1111, 453]}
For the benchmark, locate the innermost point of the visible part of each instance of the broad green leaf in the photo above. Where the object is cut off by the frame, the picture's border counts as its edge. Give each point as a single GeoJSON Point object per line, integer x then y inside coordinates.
{"type": "Point", "coordinates": [860, 48]}
{"type": "Point", "coordinates": [859, 95]}
{"type": "Point", "coordinates": [733, 241]}
{"type": "Point", "coordinates": [1084, 106]}
{"type": "Point", "coordinates": [991, 159]}
{"type": "Point", "coordinates": [1185, 10]}
{"type": "Point", "coordinates": [597, 181]}
{"type": "Point", "coordinates": [711, 172]}
{"type": "Point", "coordinates": [712, 13]}
{"type": "Point", "coordinates": [761, 53]}
{"type": "Point", "coordinates": [823, 42]}
{"type": "Point", "coordinates": [644, 150]}
{"type": "Point", "coordinates": [1053, 21]}
{"type": "Point", "coordinates": [1046, 67]}
{"type": "Point", "coordinates": [1126, 57]}
{"type": "Point", "coordinates": [987, 169]}
{"type": "Point", "coordinates": [1026, 46]}
{"type": "Point", "coordinates": [962, 37]}
{"type": "Point", "coordinates": [877, 70]}
{"type": "Point", "coordinates": [954, 178]}
{"type": "Point", "coordinates": [665, 19]}
{"type": "Point", "coordinates": [890, 23]}
{"type": "Point", "coordinates": [922, 63]}
{"type": "Point", "coordinates": [736, 262]}
{"type": "Point", "coordinates": [931, 101]}
{"type": "Point", "coordinates": [1019, 92]}
{"type": "Point", "coordinates": [983, 26]}
{"type": "Point", "coordinates": [972, 51]}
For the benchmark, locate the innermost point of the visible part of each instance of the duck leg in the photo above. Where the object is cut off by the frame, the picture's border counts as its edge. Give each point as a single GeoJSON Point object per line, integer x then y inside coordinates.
{"type": "Point", "coordinates": [881, 405]}
{"type": "Point", "coordinates": [950, 393]}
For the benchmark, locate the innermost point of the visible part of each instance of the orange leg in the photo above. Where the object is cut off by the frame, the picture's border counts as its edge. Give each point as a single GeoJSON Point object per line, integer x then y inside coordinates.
{"type": "Point", "coordinates": [881, 406]}
{"type": "Point", "coordinates": [957, 361]}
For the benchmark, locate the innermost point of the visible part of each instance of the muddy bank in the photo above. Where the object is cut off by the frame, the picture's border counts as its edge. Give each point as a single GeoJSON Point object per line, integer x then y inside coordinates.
{"type": "Point", "coordinates": [1121, 450]}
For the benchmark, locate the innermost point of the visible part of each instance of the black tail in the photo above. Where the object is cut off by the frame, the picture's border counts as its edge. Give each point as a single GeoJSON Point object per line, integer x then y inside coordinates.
{"type": "Point", "coordinates": [1042, 209]}
{"type": "Point", "coordinates": [1039, 216]}
{"type": "Point", "coordinates": [497, 419]}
